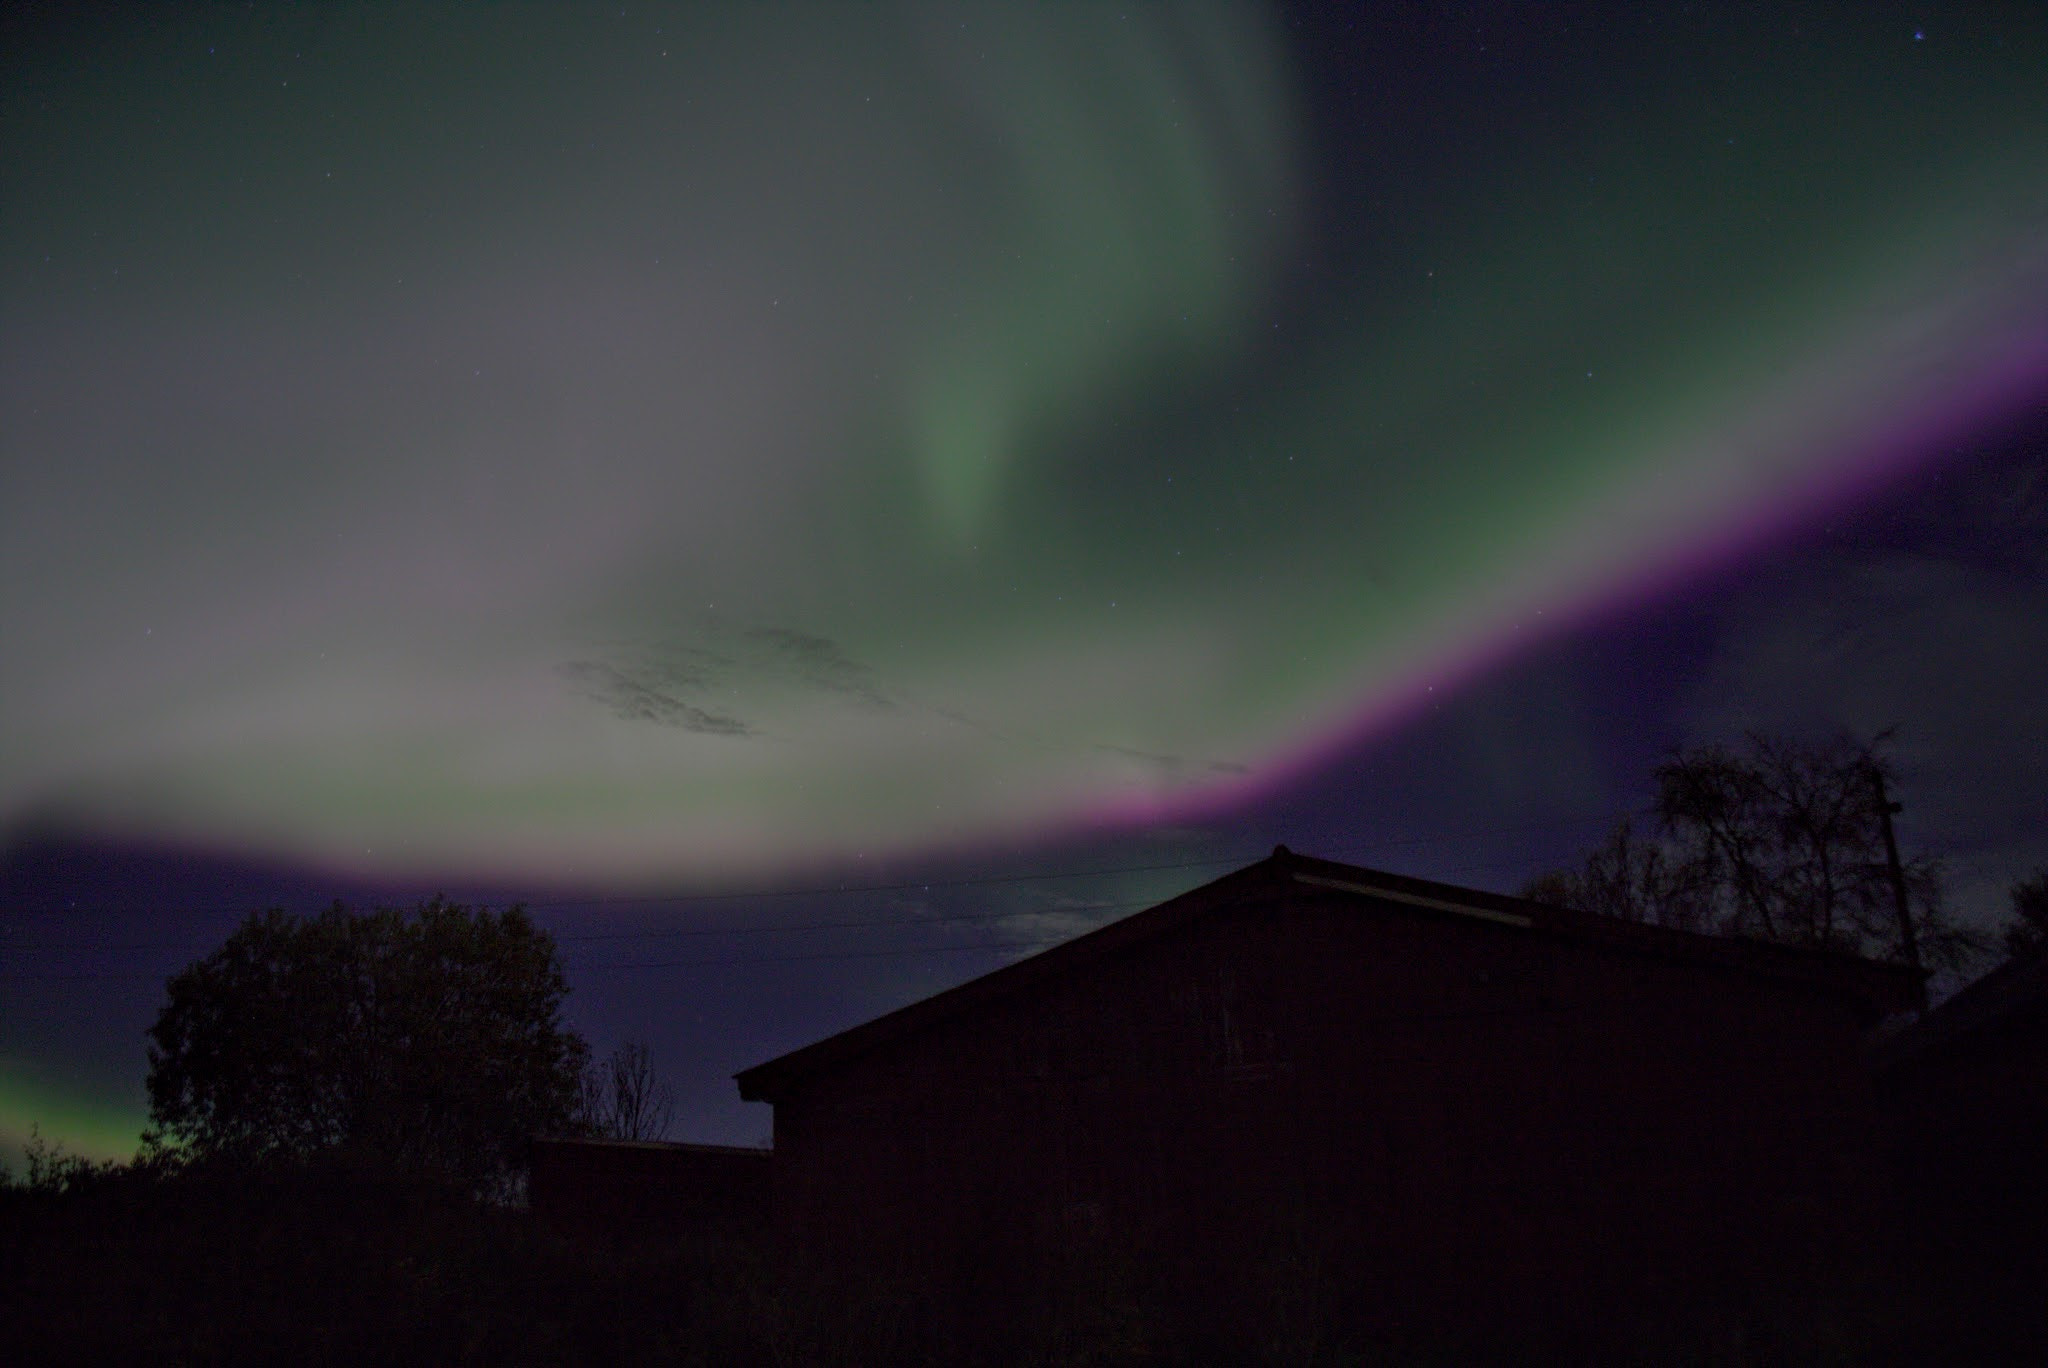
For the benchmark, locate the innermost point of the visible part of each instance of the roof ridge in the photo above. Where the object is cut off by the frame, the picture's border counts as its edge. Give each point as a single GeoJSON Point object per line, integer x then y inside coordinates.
{"type": "Point", "coordinates": [1868, 981]}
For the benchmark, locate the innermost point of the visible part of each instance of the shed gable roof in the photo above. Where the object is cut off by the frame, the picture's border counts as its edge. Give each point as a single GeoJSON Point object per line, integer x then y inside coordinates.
{"type": "Point", "coordinates": [1874, 989]}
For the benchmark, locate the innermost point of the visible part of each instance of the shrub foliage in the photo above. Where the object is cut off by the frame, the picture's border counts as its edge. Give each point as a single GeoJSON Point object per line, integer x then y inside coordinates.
{"type": "Point", "coordinates": [429, 1042]}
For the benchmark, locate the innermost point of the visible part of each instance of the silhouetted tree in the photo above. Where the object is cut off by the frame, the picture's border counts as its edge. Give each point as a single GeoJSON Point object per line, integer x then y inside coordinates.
{"type": "Point", "coordinates": [1633, 878]}
{"type": "Point", "coordinates": [2027, 932]}
{"type": "Point", "coordinates": [625, 1099]}
{"type": "Point", "coordinates": [1780, 840]}
{"type": "Point", "coordinates": [429, 1042]}
{"type": "Point", "coordinates": [52, 1171]}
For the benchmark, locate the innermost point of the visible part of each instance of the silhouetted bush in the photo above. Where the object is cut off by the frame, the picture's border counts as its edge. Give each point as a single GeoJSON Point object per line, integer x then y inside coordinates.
{"type": "Point", "coordinates": [340, 1262]}
{"type": "Point", "coordinates": [431, 1040]}
{"type": "Point", "coordinates": [344, 1262]}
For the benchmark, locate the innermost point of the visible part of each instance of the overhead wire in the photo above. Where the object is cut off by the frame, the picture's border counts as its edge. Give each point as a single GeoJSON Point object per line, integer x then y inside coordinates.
{"type": "Point", "coordinates": [858, 923]}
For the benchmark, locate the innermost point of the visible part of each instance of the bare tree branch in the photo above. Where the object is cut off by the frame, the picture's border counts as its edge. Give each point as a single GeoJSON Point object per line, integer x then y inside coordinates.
{"type": "Point", "coordinates": [1780, 840]}
{"type": "Point", "coordinates": [625, 1099]}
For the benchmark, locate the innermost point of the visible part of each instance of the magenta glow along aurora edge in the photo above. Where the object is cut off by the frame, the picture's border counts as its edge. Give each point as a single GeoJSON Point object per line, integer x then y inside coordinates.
{"type": "Point", "coordinates": [2005, 379]}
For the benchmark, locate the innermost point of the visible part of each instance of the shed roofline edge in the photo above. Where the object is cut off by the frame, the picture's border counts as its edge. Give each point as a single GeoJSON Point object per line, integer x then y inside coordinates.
{"type": "Point", "coordinates": [1823, 970]}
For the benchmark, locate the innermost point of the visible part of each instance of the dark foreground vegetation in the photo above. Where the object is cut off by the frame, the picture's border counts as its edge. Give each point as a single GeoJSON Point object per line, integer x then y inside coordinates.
{"type": "Point", "coordinates": [328, 1263]}
{"type": "Point", "coordinates": [323, 1264]}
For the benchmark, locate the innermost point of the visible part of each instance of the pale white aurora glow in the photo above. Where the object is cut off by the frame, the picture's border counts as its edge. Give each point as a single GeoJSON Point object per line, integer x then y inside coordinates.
{"type": "Point", "coordinates": [754, 435]}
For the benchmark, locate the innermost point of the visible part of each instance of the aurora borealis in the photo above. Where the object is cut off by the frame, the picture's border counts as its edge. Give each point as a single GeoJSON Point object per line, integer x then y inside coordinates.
{"type": "Point", "coordinates": [562, 450]}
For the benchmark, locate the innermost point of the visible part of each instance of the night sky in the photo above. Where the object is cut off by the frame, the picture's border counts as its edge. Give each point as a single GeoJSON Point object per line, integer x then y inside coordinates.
{"type": "Point", "coordinates": [818, 501]}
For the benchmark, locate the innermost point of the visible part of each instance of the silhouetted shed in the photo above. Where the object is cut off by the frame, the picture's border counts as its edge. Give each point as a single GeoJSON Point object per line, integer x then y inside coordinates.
{"type": "Point", "coordinates": [1414, 1100]}
{"type": "Point", "coordinates": [646, 1187]}
{"type": "Point", "coordinates": [1967, 1092]}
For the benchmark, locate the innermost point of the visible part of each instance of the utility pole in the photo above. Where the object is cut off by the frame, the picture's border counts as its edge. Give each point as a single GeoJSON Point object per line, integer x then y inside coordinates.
{"type": "Point", "coordinates": [1908, 941]}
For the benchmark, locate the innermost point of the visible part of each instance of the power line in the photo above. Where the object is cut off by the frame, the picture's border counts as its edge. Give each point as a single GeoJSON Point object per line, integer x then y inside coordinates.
{"type": "Point", "coordinates": [729, 895]}
{"type": "Point", "coordinates": [673, 932]}
{"type": "Point", "coordinates": [1040, 944]}
{"type": "Point", "coordinates": [863, 923]}
{"type": "Point", "coordinates": [602, 965]}
{"type": "Point", "coordinates": [919, 885]}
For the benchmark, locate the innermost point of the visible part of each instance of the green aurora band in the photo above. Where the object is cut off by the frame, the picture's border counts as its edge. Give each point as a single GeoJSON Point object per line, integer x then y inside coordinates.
{"type": "Point", "coordinates": [742, 438]}
{"type": "Point", "coordinates": [69, 1123]}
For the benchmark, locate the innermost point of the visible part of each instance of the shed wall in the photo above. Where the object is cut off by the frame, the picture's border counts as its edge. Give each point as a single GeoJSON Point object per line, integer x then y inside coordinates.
{"type": "Point", "coordinates": [1418, 1113]}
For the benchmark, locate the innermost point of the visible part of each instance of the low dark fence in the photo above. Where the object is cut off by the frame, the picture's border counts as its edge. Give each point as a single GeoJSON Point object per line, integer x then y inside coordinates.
{"type": "Point", "coordinates": [636, 1187]}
